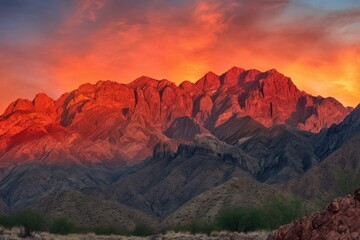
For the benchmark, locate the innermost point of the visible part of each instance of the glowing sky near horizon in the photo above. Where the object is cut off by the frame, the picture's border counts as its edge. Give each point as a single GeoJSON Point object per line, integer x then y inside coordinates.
{"type": "Point", "coordinates": [53, 46]}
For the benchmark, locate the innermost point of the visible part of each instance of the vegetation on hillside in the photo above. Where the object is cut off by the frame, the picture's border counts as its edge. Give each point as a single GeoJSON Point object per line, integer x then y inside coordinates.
{"type": "Point", "coordinates": [278, 211]}
{"type": "Point", "coordinates": [346, 181]}
{"type": "Point", "coordinates": [29, 220]}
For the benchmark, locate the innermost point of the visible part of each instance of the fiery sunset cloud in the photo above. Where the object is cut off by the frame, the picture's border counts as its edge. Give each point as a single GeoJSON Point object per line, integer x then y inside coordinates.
{"type": "Point", "coordinates": [53, 46]}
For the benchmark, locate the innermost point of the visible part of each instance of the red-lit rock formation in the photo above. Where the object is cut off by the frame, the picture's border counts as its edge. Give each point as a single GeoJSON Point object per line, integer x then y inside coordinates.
{"type": "Point", "coordinates": [340, 220]}
{"type": "Point", "coordinates": [109, 121]}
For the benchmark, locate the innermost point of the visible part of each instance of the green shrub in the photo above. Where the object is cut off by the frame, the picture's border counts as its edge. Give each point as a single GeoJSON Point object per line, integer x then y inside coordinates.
{"type": "Point", "coordinates": [106, 231]}
{"type": "Point", "coordinates": [254, 220]}
{"type": "Point", "coordinates": [7, 221]}
{"type": "Point", "coordinates": [61, 226]}
{"type": "Point", "coordinates": [30, 220]}
{"type": "Point", "coordinates": [280, 211]}
{"type": "Point", "coordinates": [142, 230]}
{"type": "Point", "coordinates": [240, 219]}
{"type": "Point", "coordinates": [195, 227]}
{"type": "Point", "coordinates": [346, 182]}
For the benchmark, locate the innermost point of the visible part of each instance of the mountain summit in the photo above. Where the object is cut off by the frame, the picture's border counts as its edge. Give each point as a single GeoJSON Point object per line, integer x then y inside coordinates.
{"type": "Point", "coordinates": [113, 122]}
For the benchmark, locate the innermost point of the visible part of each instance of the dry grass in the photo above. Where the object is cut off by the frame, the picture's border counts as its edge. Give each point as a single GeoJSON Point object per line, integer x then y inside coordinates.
{"type": "Point", "coordinates": [214, 236]}
{"type": "Point", "coordinates": [13, 235]}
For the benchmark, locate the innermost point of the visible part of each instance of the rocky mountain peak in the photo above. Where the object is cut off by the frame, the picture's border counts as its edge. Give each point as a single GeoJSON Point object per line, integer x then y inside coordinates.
{"type": "Point", "coordinates": [125, 121]}
{"type": "Point", "coordinates": [249, 75]}
{"type": "Point", "coordinates": [231, 77]}
{"type": "Point", "coordinates": [144, 81]}
{"type": "Point", "coordinates": [20, 105]}
{"type": "Point", "coordinates": [209, 82]}
{"type": "Point", "coordinates": [43, 103]}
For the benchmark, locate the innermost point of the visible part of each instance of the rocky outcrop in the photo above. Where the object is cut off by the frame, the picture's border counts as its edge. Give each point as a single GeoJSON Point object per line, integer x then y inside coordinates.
{"type": "Point", "coordinates": [340, 220]}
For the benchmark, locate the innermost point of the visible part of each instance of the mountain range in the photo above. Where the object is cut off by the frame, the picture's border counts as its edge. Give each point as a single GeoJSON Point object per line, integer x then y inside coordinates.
{"type": "Point", "coordinates": [112, 122]}
{"type": "Point", "coordinates": [157, 153]}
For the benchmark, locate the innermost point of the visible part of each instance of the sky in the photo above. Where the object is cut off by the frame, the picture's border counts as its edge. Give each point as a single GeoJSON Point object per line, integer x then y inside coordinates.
{"type": "Point", "coordinates": [53, 46]}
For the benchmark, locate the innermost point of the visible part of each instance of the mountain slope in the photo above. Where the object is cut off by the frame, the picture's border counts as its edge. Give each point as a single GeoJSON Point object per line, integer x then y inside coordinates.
{"type": "Point", "coordinates": [89, 211]}
{"type": "Point", "coordinates": [25, 184]}
{"type": "Point", "coordinates": [158, 186]}
{"type": "Point", "coordinates": [238, 191]}
{"type": "Point", "coordinates": [331, 139]}
{"type": "Point", "coordinates": [332, 177]}
{"type": "Point", "coordinates": [174, 184]}
{"type": "Point", "coordinates": [114, 123]}
{"type": "Point", "coordinates": [282, 152]}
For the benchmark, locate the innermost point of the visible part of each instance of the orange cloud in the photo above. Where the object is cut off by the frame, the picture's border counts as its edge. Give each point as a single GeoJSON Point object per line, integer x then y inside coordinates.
{"type": "Point", "coordinates": [181, 40]}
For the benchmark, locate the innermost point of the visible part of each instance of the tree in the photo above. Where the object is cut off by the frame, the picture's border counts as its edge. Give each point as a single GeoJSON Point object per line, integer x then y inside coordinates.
{"type": "Point", "coordinates": [7, 221]}
{"type": "Point", "coordinates": [61, 226]}
{"type": "Point", "coordinates": [142, 230]}
{"type": "Point", "coordinates": [31, 222]}
{"type": "Point", "coordinates": [240, 219]}
{"type": "Point", "coordinates": [282, 210]}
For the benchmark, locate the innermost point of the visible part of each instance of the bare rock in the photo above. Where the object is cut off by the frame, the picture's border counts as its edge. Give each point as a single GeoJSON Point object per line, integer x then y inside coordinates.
{"type": "Point", "coordinates": [123, 122]}
{"type": "Point", "coordinates": [339, 220]}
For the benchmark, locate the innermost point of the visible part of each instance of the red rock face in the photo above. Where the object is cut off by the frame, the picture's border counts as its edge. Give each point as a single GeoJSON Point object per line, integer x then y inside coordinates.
{"type": "Point", "coordinates": [340, 220]}
{"type": "Point", "coordinates": [271, 98]}
{"type": "Point", "coordinates": [109, 121]}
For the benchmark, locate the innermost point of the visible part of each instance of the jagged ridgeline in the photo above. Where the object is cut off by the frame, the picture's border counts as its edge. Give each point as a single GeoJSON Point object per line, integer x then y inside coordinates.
{"type": "Point", "coordinates": [153, 153]}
